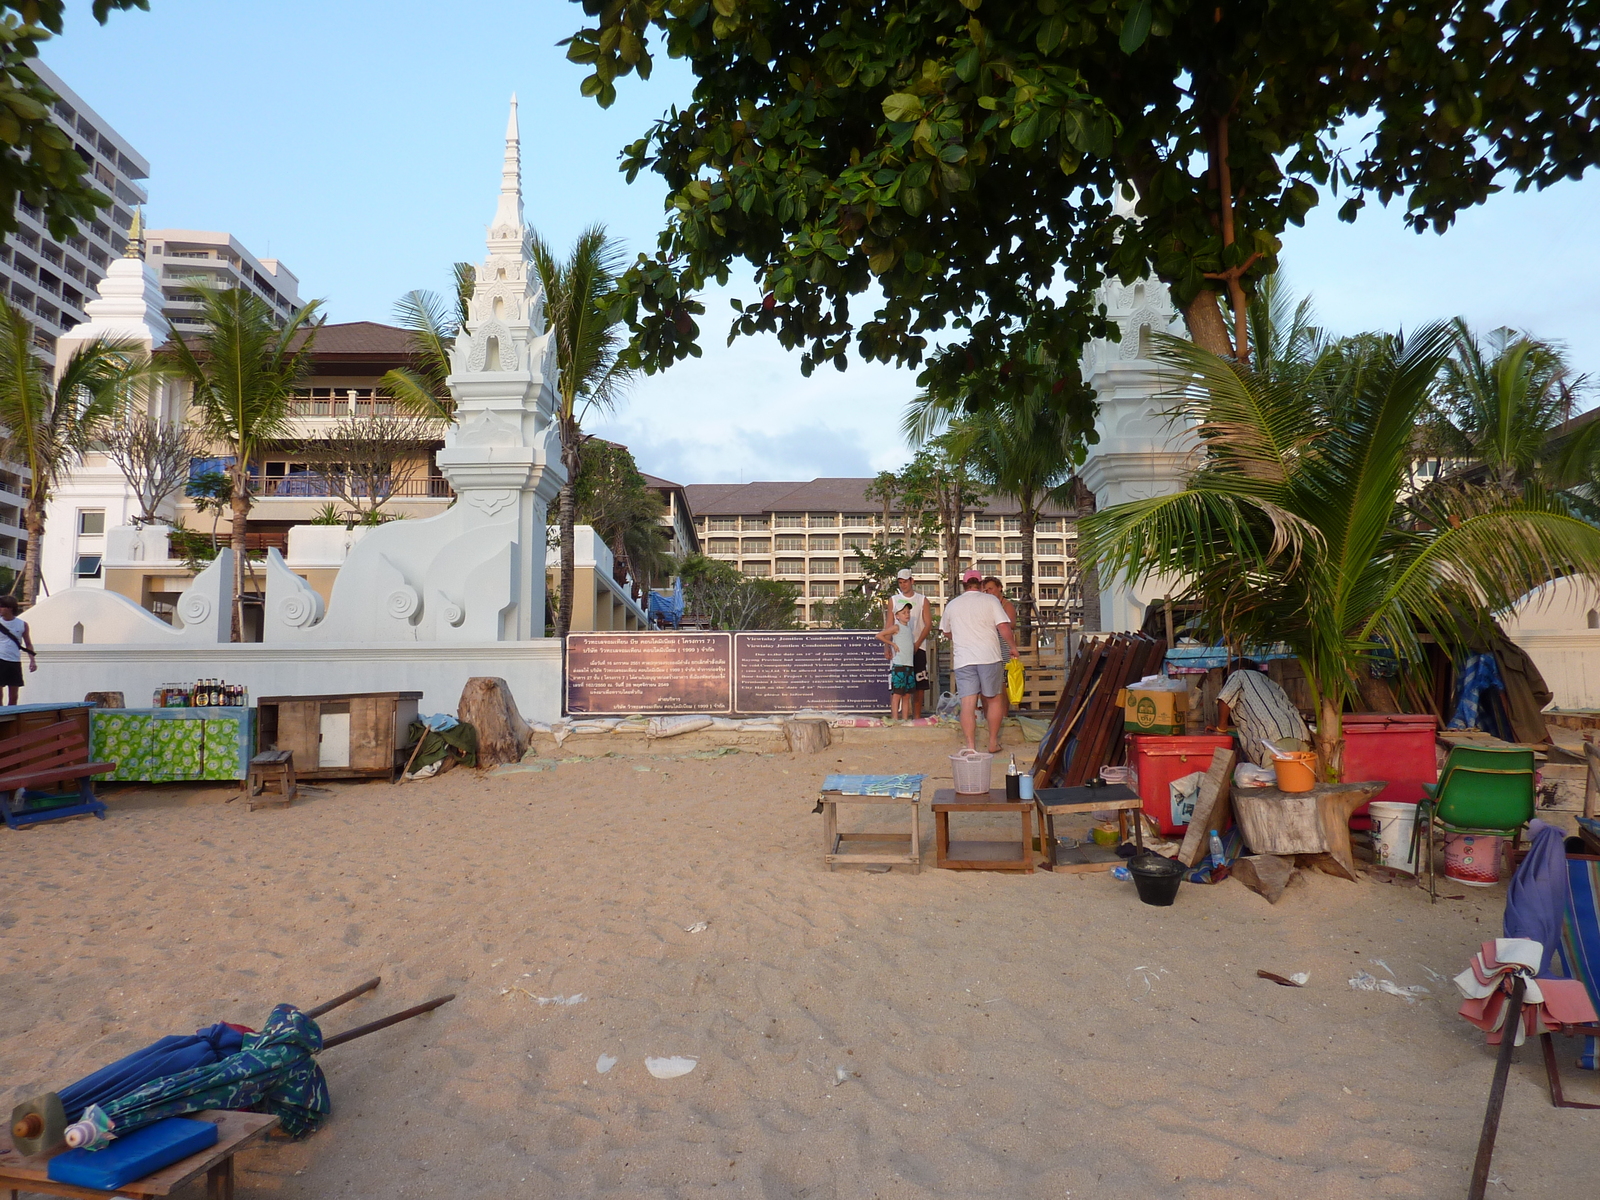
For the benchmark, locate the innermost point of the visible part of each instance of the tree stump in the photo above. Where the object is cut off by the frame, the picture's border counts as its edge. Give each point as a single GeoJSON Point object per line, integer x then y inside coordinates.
{"type": "Point", "coordinates": [105, 699]}
{"type": "Point", "coordinates": [807, 736]}
{"type": "Point", "coordinates": [1265, 874]}
{"type": "Point", "coordinates": [487, 705]}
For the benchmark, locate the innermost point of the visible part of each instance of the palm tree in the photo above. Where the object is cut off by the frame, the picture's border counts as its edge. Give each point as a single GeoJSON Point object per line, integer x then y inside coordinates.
{"type": "Point", "coordinates": [1296, 528]}
{"type": "Point", "coordinates": [624, 510]}
{"type": "Point", "coordinates": [242, 373]}
{"type": "Point", "coordinates": [433, 327]}
{"type": "Point", "coordinates": [50, 423]}
{"type": "Point", "coordinates": [577, 294]}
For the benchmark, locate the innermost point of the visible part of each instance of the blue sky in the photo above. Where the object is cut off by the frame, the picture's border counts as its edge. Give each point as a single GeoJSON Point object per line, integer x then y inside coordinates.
{"type": "Point", "coordinates": [359, 141]}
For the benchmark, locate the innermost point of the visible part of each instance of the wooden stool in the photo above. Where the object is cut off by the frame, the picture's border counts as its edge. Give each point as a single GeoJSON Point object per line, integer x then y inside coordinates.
{"type": "Point", "coordinates": [1010, 855]}
{"type": "Point", "coordinates": [274, 767]}
{"type": "Point", "coordinates": [1057, 802]}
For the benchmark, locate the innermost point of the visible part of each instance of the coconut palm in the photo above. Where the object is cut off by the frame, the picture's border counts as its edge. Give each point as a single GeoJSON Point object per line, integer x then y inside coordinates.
{"type": "Point", "coordinates": [1296, 527]}
{"type": "Point", "coordinates": [50, 421]}
{"type": "Point", "coordinates": [242, 373]}
{"type": "Point", "coordinates": [577, 293]}
{"type": "Point", "coordinates": [433, 326]}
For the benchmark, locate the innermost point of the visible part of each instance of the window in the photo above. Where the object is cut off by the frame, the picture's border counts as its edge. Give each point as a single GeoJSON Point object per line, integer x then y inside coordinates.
{"type": "Point", "coordinates": [724, 522]}
{"type": "Point", "coordinates": [757, 545]}
{"type": "Point", "coordinates": [789, 542]}
{"type": "Point", "coordinates": [1050, 570]}
{"type": "Point", "coordinates": [989, 566]}
{"type": "Point", "coordinates": [1013, 568]}
{"type": "Point", "coordinates": [857, 541]}
{"type": "Point", "coordinates": [1049, 546]}
{"type": "Point", "coordinates": [927, 566]}
{"type": "Point", "coordinates": [982, 523]}
{"type": "Point", "coordinates": [824, 520]}
{"type": "Point", "coordinates": [1050, 591]}
{"type": "Point", "coordinates": [858, 520]}
{"type": "Point", "coordinates": [722, 546]}
{"type": "Point", "coordinates": [824, 543]}
{"type": "Point", "coordinates": [988, 545]}
{"type": "Point", "coordinates": [1013, 524]}
{"type": "Point", "coordinates": [1048, 525]}
{"type": "Point", "coordinates": [825, 590]}
{"type": "Point", "coordinates": [788, 521]}
{"type": "Point", "coordinates": [824, 566]}
{"type": "Point", "coordinates": [88, 566]}
{"type": "Point", "coordinates": [759, 570]}
{"type": "Point", "coordinates": [926, 589]}
{"type": "Point", "coordinates": [91, 521]}
{"type": "Point", "coordinates": [1013, 545]}
{"type": "Point", "coordinates": [790, 566]}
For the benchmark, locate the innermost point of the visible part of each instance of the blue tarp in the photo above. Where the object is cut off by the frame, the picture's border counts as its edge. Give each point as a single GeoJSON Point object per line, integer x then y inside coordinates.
{"type": "Point", "coordinates": [1184, 659]}
{"type": "Point", "coordinates": [668, 608]}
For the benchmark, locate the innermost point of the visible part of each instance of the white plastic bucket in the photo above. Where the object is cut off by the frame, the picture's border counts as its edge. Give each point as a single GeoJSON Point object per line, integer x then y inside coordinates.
{"type": "Point", "coordinates": [970, 769]}
{"type": "Point", "coordinates": [1392, 826]}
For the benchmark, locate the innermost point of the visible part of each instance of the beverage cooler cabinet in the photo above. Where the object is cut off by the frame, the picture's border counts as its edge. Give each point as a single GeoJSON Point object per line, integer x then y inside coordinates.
{"type": "Point", "coordinates": [351, 736]}
{"type": "Point", "coordinates": [165, 745]}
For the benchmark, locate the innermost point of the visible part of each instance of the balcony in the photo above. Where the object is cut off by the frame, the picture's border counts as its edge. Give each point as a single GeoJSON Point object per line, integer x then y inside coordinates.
{"type": "Point", "coordinates": [308, 484]}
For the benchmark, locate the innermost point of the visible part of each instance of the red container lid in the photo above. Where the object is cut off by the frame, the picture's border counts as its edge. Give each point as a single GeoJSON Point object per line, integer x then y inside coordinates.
{"type": "Point", "coordinates": [1367, 721]}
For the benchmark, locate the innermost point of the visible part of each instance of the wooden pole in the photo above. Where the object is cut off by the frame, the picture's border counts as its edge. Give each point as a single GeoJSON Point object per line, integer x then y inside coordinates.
{"type": "Point", "coordinates": [350, 1035]}
{"type": "Point", "coordinates": [1171, 641]}
{"type": "Point", "coordinates": [344, 998]}
{"type": "Point", "coordinates": [1497, 1090]}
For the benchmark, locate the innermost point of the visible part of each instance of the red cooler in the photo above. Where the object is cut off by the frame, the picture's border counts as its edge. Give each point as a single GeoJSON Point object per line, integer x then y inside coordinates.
{"type": "Point", "coordinates": [1394, 747]}
{"type": "Point", "coordinates": [1157, 761]}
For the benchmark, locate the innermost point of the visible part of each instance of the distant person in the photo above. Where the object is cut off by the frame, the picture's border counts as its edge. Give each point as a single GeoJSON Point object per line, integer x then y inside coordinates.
{"type": "Point", "coordinates": [977, 625]}
{"type": "Point", "coordinates": [14, 640]}
{"type": "Point", "coordinates": [993, 587]}
{"type": "Point", "coordinates": [899, 640]}
{"type": "Point", "coordinates": [923, 624]}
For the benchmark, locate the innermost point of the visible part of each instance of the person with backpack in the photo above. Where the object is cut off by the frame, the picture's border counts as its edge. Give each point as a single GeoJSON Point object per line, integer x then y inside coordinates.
{"type": "Point", "coordinates": [14, 640]}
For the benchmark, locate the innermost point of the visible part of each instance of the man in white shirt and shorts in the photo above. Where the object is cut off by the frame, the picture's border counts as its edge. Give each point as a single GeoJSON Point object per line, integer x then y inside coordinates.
{"type": "Point", "coordinates": [976, 624]}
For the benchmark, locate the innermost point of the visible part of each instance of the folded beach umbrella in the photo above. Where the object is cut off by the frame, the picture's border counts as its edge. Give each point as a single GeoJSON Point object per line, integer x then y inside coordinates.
{"type": "Point", "coordinates": [169, 1056]}
{"type": "Point", "coordinates": [273, 1072]}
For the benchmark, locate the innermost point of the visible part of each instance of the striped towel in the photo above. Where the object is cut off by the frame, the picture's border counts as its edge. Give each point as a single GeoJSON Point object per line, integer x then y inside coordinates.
{"type": "Point", "coordinates": [1580, 941]}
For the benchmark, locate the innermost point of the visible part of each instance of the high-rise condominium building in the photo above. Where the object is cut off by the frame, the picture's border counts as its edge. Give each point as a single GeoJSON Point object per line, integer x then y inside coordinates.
{"type": "Point", "coordinates": [186, 260]}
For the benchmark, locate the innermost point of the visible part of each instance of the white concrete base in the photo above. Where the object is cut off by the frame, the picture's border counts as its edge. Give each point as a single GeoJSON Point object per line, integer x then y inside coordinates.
{"type": "Point", "coordinates": [437, 670]}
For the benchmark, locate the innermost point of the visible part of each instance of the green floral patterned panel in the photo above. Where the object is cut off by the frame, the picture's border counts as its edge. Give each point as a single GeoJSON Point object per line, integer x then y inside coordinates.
{"type": "Point", "coordinates": [222, 750]}
{"type": "Point", "coordinates": [148, 748]}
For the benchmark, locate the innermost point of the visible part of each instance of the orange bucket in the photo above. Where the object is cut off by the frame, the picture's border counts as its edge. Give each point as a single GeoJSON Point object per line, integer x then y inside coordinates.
{"type": "Point", "coordinates": [1297, 770]}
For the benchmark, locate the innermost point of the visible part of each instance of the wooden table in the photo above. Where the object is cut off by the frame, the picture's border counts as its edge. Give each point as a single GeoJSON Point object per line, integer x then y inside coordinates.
{"type": "Point", "coordinates": [834, 842]}
{"type": "Point", "coordinates": [235, 1131]}
{"type": "Point", "coordinates": [981, 855]}
{"type": "Point", "coordinates": [1057, 802]}
{"type": "Point", "coordinates": [1315, 822]}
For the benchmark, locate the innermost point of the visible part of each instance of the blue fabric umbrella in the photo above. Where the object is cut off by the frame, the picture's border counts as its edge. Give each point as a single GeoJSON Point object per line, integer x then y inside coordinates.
{"type": "Point", "coordinates": [169, 1056]}
{"type": "Point", "coordinates": [274, 1072]}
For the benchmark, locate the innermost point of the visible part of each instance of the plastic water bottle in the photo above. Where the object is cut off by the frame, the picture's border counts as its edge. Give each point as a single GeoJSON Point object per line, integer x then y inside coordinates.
{"type": "Point", "coordinates": [1218, 857]}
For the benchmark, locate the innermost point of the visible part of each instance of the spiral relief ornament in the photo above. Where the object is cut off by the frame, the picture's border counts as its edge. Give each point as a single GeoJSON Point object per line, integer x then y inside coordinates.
{"type": "Point", "coordinates": [298, 611]}
{"type": "Point", "coordinates": [452, 614]}
{"type": "Point", "coordinates": [402, 603]}
{"type": "Point", "coordinates": [194, 608]}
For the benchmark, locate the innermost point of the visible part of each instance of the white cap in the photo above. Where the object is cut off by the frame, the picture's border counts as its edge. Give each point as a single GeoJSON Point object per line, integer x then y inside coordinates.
{"type": "Point", "coordinates": [903, 573]}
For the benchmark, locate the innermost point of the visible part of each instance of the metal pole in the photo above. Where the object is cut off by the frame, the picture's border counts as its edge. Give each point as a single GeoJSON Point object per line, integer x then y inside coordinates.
{"type": "Point", "coordinates": [1497, 1090]}
{"type": "Point", "coordinates": [384, 1022]}
{"type": "Point", "coordinates": [345, 998]}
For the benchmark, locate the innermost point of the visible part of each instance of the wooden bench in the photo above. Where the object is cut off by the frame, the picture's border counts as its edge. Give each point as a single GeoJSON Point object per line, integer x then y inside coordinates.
{"type": "Point", "coordinates": [44, 756]}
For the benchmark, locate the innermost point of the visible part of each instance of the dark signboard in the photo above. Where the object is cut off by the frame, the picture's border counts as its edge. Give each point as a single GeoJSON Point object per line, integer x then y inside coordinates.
{"type": "Point", "coordinates": [842, 670]}
{"type": "Point", "coordinates": [649, 672]}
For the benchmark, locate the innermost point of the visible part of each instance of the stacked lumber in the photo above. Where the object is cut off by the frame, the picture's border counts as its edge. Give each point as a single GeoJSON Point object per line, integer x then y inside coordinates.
{"type": "Point", "coordinates": [1085, 733]}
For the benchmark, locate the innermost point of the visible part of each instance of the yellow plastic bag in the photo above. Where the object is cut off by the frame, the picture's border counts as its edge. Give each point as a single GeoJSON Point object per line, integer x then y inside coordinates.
{"type": "Point", "coordinates": [1014, 680]}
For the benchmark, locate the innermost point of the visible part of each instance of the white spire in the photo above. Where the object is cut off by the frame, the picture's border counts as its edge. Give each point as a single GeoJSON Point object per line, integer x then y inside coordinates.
{"type": "Point", "coordinates": [508, 215]}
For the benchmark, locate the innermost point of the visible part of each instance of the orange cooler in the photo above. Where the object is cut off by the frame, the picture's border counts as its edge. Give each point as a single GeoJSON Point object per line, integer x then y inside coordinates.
{"type": "Point", "coordinates": [1157, 761]}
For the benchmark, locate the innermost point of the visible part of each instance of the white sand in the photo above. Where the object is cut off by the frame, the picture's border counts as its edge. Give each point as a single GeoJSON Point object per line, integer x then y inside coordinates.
{"type": "Point", "coordinates": [1016, 1036]}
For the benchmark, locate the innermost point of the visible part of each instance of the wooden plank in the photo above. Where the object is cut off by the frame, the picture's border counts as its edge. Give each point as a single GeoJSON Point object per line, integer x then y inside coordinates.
{"type": "Point", "coordinates": [371, 733]}
{"type": "Point", "coordinates": [1211, 809]}
{"type": "Point", "coordinates": [300, 731]}
{"type": "Point", "coordinates": [1075, 752]}
{"type": "Point", "coordinates": [1050, 746]}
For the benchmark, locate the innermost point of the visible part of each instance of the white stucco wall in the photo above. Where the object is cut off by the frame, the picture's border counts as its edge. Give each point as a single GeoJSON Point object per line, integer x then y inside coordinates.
{"type": "Point", "coordinates": [1555, 626]}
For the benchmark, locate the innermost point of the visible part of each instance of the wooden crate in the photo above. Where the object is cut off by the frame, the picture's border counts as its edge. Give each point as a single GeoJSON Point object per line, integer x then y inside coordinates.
{"type": "Point", "coordinates": [339, 737]}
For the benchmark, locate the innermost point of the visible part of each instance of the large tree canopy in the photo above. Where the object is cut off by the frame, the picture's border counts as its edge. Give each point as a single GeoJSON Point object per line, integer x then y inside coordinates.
{"type": "Point", "coordinates": [37, 161]}
{"type": "Point", "coordinates": [964, 155]}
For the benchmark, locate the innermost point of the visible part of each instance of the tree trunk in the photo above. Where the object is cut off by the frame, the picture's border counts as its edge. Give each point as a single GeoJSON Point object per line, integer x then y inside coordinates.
{"type": "Point", "coordinates": [33, 519]}
{"type": "Point", "coordinates": [571, 459]}
{"type": "Point", "coordinates": [807, 736]}
{"type": "Point", "coordinates": [240, 506]}
{"type": "Point", "coordinates": [1330, 737]}
{"type": "Point", "coordinates": [1207, 326]}
{"type": "Point", "coordinates": [1030, 522]}
{"type": "Point", "coordinates": [487, 705]}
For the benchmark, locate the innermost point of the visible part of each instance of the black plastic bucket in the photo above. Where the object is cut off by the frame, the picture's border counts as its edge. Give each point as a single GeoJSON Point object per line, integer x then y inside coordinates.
{"type": "Point", "coordinates": [1156, 878]}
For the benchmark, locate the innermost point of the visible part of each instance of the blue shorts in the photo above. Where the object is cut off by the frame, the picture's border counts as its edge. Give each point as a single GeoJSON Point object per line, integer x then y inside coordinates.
{"type": "Point", "coordinates": [986, 679]}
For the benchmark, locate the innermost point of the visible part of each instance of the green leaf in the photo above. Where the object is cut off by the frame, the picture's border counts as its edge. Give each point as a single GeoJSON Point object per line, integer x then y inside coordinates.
{"type": "Point", "coordinates": [902, 107]}
{"type": "Point", "coordinates": [1136, 27]}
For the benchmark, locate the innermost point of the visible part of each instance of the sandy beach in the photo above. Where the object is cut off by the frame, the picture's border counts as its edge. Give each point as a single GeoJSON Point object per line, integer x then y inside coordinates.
{"type": "Point", "coordinates": [894, 1035]}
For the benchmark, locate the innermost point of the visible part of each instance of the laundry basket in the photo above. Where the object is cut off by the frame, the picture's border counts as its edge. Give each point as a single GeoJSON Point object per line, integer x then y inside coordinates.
{"type": "Point", "coordinates": [970, 769]}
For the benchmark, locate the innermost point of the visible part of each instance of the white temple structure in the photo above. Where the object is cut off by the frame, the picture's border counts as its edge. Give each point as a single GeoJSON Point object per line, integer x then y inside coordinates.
{"type": "Point", "coordinates": [1142, 451]}
{"type": "Point", "coordinates": [418, 604]}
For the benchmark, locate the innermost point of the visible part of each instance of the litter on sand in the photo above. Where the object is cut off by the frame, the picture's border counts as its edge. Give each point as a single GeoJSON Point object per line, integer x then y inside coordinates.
{"type": "Point", "coordinates": [1364, 982]}
{"type": "Point", "coordinates": [604, 1063]}
{"type": "Point", "coordinates": [697, 927]}
{"type": "Point", "coordinates": [1298, 979]}
{"type": "Point", "coordinates": [669, 1068]}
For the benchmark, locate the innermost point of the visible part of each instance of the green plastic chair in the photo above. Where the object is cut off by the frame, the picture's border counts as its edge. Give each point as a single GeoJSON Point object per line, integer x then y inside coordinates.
{"type": "Point", "coordinates": [1482, 790]}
